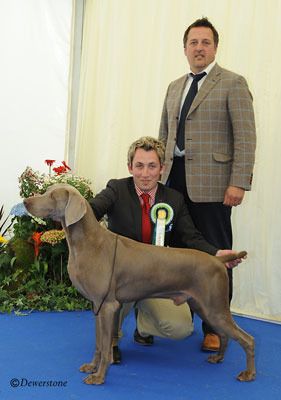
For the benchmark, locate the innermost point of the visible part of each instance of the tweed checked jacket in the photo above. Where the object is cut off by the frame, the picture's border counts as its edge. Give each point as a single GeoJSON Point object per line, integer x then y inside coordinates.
{"type": "Point", "coordinates": [220, 135]}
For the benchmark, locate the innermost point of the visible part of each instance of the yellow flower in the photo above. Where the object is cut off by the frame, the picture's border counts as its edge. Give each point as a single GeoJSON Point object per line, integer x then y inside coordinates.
{"type": "Point", "coordinates": [3, 240]}
{"type": "Point", "coordinates": [53, 236]}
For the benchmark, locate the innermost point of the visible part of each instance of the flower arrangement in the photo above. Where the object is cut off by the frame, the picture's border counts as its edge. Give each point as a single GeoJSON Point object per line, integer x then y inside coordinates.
{"type": "Point", "coordinates": [33, 263]}
{"type": "Point", "coordinates": [32, 182]}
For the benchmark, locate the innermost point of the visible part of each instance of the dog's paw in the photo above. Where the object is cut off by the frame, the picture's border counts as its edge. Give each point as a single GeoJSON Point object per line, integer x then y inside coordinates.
{"type": "Point", "coordinates": [246, 376]}
{"type": "Point", "coordinates": [94, 379]}
{"type": "Point", "coordinates": [215, 358]}
{"type": "Point", "coordinates": [88, 368]}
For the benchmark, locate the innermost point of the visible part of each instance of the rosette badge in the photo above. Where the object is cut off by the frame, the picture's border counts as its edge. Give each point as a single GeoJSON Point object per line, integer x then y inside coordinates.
{"type": "Point", "coordinates": [161, 215]}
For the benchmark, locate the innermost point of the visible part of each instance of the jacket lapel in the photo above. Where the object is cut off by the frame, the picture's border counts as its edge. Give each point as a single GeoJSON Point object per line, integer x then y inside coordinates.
{"type": "Point", "coordinates": [160, 194]}
{"type": "Point", "coordinates": [177, 96]}
{"type": "Point", "coordinates": [135, 210]}
{"type": "Point", "coordinates": [213, 77]}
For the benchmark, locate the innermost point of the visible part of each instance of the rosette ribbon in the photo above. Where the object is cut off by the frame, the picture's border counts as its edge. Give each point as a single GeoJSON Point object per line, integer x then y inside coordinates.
{"type": "Point", "coordinates": [161, 215]}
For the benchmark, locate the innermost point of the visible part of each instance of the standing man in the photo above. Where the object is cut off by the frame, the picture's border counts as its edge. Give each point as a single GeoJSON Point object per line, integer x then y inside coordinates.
{"type": "Point", "coordinates": [208, 127]}
{"type": "Point", "coordinates": [124, 203]}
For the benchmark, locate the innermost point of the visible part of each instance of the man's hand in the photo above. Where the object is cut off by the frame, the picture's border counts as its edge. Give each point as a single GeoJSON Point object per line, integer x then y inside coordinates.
{"type": "Point", "coordinates": [233, 196]}
{"type": "Point", "coordinates": [230, 264]}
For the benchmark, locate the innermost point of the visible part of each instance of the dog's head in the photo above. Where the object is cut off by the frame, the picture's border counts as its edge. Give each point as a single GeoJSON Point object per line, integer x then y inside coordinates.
{"type": "Point", "coordinates": [60, 202]}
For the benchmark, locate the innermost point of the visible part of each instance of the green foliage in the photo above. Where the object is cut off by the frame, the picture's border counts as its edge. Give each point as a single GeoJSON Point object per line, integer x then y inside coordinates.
{"type": "Point", "coordinates": [22, 250]}
{"type": "Point", "coordinates": [23, 226]}
{"type": "Point", "coordinates": [37, 293]}
{"type": "Point", "coordinates": [30, 283]}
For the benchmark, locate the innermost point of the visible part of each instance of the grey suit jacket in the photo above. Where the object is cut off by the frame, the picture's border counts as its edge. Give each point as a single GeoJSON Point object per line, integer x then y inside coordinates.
{"type": "Point", "coordinates": [220, 135]}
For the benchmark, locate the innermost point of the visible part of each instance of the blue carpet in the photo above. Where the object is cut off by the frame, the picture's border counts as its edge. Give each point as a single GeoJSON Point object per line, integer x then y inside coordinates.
{"type": "Point", "coordinates": [50, 347]}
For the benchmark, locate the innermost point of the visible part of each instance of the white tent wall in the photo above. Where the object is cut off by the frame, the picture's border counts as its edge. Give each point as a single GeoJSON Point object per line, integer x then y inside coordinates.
{"type": "Point", "coordinates": [35, 39]}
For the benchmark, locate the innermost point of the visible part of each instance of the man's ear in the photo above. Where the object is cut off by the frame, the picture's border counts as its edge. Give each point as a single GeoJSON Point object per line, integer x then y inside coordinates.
{"type": "Point", "coordinates": [130, 168]}
{"type": "Point", "coordinates": [162, 169]}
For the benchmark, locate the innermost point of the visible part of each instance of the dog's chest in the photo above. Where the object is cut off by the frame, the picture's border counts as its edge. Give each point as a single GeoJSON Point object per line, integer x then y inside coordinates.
{"type": "Point", "coordinates": [77, 280]}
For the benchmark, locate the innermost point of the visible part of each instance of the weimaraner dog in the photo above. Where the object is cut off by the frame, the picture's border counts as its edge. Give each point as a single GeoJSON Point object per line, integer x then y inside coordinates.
{"type": "Point", "coordinates": [109, 269]}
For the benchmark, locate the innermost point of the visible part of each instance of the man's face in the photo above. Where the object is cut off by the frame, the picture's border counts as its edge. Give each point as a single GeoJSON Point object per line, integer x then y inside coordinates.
{"type": "Point", "coordinates": [200, 48]}
{"type": "Point", "coordinates": [146, 169]}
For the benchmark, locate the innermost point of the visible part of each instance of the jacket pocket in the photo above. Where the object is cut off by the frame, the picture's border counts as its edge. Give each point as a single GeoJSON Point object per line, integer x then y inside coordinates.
{"type": "Point", "coordinates": [221, 157]}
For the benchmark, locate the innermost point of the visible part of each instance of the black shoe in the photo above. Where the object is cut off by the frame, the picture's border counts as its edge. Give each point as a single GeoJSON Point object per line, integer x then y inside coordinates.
{"type": "Point", "coordinates": [116, 355]}
{"type": "Point", "coordinates": [143, 340]}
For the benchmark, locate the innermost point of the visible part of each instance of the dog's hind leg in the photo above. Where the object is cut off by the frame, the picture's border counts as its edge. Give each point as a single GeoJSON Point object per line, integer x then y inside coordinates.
{"type": "Point", "coordinates": [103, 352]}
{"type": "Point", "coordinates": [226, 327]}
{"type": "Point", "coordinates": [216, 358]}
{"type": "Point", "coordinates": [248, 344]}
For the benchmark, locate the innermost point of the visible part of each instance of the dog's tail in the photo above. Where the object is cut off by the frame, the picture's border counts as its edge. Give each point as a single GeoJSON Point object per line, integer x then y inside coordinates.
{"type": "Point", "coordinates": [232, 257]}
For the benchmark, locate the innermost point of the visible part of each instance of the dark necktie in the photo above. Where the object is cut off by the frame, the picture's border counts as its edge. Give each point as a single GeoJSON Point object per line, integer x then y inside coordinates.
{"type": "Point", "coordinates": [146, 224]}
{"type": "Point", "coordinates": [185, 108]}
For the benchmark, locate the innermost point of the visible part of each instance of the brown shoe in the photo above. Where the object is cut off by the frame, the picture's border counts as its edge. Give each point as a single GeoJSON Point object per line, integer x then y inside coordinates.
{"type": "Point", "coordinates": [211, 342]}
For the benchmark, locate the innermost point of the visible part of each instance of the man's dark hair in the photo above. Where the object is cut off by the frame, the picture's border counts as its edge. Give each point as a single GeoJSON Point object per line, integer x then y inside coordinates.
{"type": "Point", "coordinates": [202, 22]}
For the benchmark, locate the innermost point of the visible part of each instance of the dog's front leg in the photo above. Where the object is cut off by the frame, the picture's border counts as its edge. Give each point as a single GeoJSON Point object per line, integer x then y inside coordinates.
{"type": "Point", "coordinates": [93, 366]}
{"type": "Point", "coordinates": [104, 339]}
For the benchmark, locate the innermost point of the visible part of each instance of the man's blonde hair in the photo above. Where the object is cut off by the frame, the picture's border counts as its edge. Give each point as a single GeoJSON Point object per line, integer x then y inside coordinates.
{"type": "Point", "coordinates": [147, 143]}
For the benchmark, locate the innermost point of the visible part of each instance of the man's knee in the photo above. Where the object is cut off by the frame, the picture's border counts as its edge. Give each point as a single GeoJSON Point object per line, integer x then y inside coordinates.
{"type": "Point", "coordinates": [172, 330]}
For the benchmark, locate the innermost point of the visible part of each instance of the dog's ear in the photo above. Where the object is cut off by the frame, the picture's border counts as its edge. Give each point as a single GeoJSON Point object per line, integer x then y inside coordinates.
{"type": "Point", "coordinates": [75, 209]}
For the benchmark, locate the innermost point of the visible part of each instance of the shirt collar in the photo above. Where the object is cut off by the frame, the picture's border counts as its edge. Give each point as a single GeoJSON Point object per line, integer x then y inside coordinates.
{"type": "Point", "coordinates": [152, 193]}
{"type": "Point", "coordinates": [207, 69]}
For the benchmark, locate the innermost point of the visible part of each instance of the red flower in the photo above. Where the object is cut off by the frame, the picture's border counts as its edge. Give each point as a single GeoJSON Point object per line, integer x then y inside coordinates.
{"type": "Point", "coordinates": [49, 162]}
{"type": "Point", "coordinates": [37, 242]}
{"type": "Point", "coordinates": [65, 165]}
{"type": "Point", "coordinates": [60, 170]}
